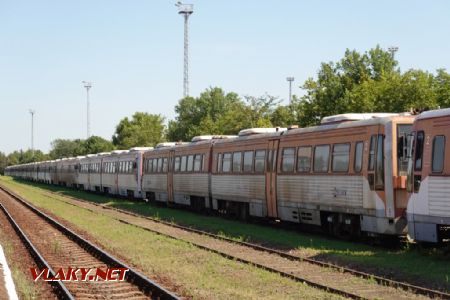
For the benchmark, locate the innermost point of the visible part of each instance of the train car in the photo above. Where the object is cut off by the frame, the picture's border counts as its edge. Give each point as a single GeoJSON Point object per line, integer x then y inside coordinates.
{"type": "Point", "coordinates": [238, 175]}
{"type": "Point", "coordinates": [82, 180]}
{"type": "Point", "coordinates": [155, 169]}
{"type": "Point", "coordinates": [67, 169]}
{"type": "Point", "coordinates": [347, 175]}
{"type": "Point", "coordinates": [178, 173]}
{"type": "Point", "coordinates": [429, 177]}
{"type": "Point", "coordinates": [129, 172]}
{"type": "Point", "coordinates": [95, 173]}
{"type": "Point", "coordinates": [110, 172]}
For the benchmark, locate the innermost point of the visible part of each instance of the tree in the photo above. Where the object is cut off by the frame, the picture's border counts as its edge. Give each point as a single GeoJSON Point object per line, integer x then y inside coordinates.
{"type": "Point", "coordinates": [66, 148]}
{"type": "Point", "coordinates": [96, 144]}
{"type": "Point", "coordinates": [3, 162]}
{"type": "Point", "coordinates": [369, 82]}
{"type": "Point", "coordinates": [211, 113]}
{"type": "Point", "coordinates": [142, 130]}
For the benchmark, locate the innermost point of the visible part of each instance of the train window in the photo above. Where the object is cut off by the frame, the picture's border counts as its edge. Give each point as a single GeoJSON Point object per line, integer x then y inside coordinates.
{"type": "Point", "coordinates": [154, 165]}
{"type": "Point", "coordinates": [373, 143]}
{"type": "Point", "coordinates": [321, 158]}
{"type": "Point", "coordinates": [288, 160]}
{"type": "Point", "coordinates": [438, 154]}
{"type": "Point", "coordinates": [160, 165]}
{"type": "Point", "coordinates": [190, 163]}
{"type": "Point", "coordinates": [304, 159]}
{"type": "Point", "coordinates": [248, 161]}
{"type": "Point", "coordinates": [197, 162]}
{"type": "Point", "coordinates": [183, 164]}
{"type": "Point", "coordinates": [260, 159]}
{"type": "Point", "coordinates": [237, 162]}
{"type": "Point", "coordinates": [149, 166]}
{"type": "Point", "coordinates": [164, 169]}
{"type": "Point", "coordinates": [379, 173]}
{"type": "Point", "coordinates": [358, 157]}
{"type": "Point", "coordinates": [419, 151]}
{"type": "Point", "coordinates": [177, 164]}
{"type": "Point", "coordinates": [226, 163]}
{"type": "Point", "coordinates": [219, 162]}
{"type": "Point", "coordinates": [341, 157]}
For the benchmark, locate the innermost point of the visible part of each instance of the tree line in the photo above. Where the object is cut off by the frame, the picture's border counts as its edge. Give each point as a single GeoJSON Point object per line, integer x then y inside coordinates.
{"type": "Point", "coordinates": [359, 82]}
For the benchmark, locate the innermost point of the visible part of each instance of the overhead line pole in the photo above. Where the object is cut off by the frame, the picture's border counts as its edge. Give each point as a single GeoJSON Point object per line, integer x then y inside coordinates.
{"type": "Point", "coordinates": [186, 10]}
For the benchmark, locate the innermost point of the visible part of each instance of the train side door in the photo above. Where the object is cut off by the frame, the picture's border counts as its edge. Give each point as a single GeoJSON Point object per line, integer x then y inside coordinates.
{"type": "Point", "coordinates": [271, 178]}
{"type": "Point", "coordinates": [170, 165]}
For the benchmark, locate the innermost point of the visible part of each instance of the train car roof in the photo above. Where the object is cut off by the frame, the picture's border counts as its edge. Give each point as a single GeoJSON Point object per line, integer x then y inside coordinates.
{"type": "Point", "coordinates": [434, 114]}
{"type": "Point", "coordinates": [340, 125]}
{"type": "Point", "coordinates": [252, 131]}
{"type": "Point", "coordinates": [354, 117]}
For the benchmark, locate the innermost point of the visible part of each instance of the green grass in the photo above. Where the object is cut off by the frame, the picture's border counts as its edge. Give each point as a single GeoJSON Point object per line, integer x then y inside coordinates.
{"type": "Point", "coordinates": [25, 286]}
{"type": "Point", "coordinates": [412, 264]}
{"type": "Point", "coordinates": [199, 273]}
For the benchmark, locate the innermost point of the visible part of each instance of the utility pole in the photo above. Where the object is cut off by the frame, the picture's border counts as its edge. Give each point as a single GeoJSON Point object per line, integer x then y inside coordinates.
{"type": "Point", "coordinates": [186, 10]}
{"type": "Point", "coordinates": [32, 112]}
{"type": "Point", "coordinates": [87, 85]}
{"type": "Point", "coordinates": [393, 49]}
{"type": "Point", "coordinates": [290, 80]}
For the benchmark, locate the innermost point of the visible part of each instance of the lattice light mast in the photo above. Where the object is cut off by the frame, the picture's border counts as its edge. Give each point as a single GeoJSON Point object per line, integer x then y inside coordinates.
{"type": "Point", "coordinates": [393, 49]}
{"type": "Point", "coordinates": [186, 10]}
{"type": "Point", "coordinates": [290, 80]}
{"type": "Point", "coordinates": [32, 112]}
{"type": "Point", "coordinates": [88, 86]}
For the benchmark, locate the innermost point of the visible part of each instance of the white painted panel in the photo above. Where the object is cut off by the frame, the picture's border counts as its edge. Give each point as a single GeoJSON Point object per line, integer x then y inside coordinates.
{"type": "Point", "coordinates": [439, 196]}
{"type": "Point", "coordinates": [324, 190]}
{"type": "Point", "coordinates": [154, 182]}
{"type": "Point", "coordinates": [191, 184]}
{"type": "Point", "coordinates": [238, 187]}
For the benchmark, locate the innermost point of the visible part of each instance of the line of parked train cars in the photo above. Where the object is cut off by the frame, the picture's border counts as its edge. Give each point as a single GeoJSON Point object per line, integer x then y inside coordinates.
{"type": "Point", "coordinates": [376, 174]}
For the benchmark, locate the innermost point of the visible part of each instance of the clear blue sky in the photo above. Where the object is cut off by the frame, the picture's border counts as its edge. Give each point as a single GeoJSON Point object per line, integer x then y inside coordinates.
{"type": "Point", "coordinates": [132, 51]}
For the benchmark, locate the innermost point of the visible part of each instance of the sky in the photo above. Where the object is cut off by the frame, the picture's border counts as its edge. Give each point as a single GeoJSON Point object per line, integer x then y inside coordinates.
{"type": "Point", "coordinates": [132, 51]}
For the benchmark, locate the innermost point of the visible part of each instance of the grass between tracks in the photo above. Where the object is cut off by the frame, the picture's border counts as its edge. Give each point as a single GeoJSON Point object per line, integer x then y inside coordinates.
{"type": "Point", "coordinates": [198, 273]}
{"type": "Point", "coordinates": [25, 286]}
{"type": "Point", "coordinates": [426, 266]}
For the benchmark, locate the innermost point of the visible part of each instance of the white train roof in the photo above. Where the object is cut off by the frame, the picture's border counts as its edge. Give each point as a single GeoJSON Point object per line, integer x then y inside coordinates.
{"type": "Point", "coordinates": [140, 149]}
{"type": "Point", "coordinates": [355, 117]}
{"type": "Point", "coordinates": [434, 114]}
{"type": "Point", "coordinates": [211, 137]}
{"type": "Point", "coordinates": [251, 131]}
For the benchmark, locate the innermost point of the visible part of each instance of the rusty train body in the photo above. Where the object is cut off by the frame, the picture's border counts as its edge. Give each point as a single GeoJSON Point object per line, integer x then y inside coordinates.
{"type": "Point", "coordinates": [352, 175]}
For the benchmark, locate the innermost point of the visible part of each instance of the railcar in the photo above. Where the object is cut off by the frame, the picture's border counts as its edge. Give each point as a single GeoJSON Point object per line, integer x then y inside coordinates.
{"type": "Point", "coordinates": [346, 175]}
{"type": "Point", "coordinates": [96, 172]}
{"type": "Point", "coordinates": [178, 173]}
{"type": "Point", "coordinates": [109, 172]}
{"type": "Point", "coordinates": [83, 170]}
{"type": "Point", "coordinates": [155, 173]}
{"type": "Point", "coordinates": [429, 177]}
{"type": "Point", "coordinates": [129, 172]}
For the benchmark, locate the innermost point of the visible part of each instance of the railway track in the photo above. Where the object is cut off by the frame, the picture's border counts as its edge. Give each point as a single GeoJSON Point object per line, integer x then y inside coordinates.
{"type": "Point", "coordinates": [322, 275]}
{"type": "Point", "coordinates": [53, 245]}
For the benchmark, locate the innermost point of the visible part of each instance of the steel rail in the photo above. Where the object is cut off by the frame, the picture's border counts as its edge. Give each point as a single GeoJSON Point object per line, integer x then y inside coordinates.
{"type": "Point", "coordinates": [379, 279]}
{"type": "Point", "coordinates": [149, 287]}
{"type": "Point", "coordinates": [59, 288]}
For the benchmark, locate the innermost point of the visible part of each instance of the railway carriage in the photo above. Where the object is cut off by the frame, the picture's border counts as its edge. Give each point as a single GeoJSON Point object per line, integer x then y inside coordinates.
{"type": "Point", "coordinates": [96, 172]}
{"type": "Point", "coordinates": [429, 177]}
{"type": "Point", "coordinates": [109, 172]}
{"type": "Point", "coordinates": [240, 174]}
{"type": "Point", "coordinates": [155, 173]}
{"type": "Point", "coordinates": [347, 175]}
{"type": "Point", "coordinates": [83, 171]}
{"type": "Point", "coordinates": [129, 169]}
